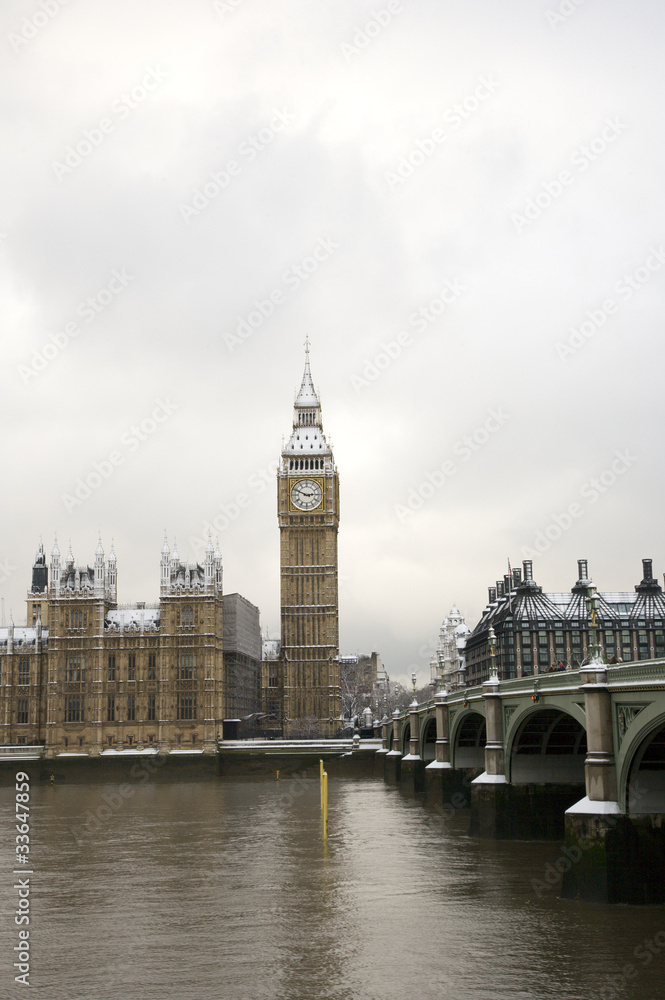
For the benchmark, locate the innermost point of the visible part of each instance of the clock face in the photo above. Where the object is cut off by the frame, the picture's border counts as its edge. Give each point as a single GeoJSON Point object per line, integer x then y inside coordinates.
{"type": "Point", "coordinates": [306, 494]}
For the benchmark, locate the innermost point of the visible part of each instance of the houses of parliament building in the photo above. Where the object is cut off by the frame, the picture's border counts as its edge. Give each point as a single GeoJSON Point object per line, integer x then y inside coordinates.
{"type": "Point", "coordinates": [86, 675]}
{"type": "Point", "coordinates": [90, 676]}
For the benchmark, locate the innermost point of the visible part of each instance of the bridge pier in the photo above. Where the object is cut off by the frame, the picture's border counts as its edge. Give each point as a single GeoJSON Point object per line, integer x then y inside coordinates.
{"type": "Point", "coordinates": [489, 796]}
{"type": "Point", "coordinates": [613, 858]}
{"type": "Point", "coordinates": [412, 768]}
{"type": "Point", "coordinates": [589, 821]}
{"type": "Point", "coordinates": [440, 768]}
{"type": "Point", "coordinates": [446, 788]}
{"type": "Point", "coordinates": [393, 759]}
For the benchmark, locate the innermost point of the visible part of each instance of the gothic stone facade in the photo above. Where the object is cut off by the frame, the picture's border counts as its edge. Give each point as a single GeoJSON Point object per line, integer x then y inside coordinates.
{"type": "Point", "coordinates": [90, 676]}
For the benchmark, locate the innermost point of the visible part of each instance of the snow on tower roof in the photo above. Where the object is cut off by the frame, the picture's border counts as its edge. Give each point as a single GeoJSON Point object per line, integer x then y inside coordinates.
{"type": "Point", "coordinates": [307, 441]}
{"type": "Point", "coordinates": [307, 438]}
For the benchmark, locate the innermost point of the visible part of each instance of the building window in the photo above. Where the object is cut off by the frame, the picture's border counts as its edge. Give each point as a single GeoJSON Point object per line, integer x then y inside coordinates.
{"type": "Point", "coordinates": [23, 672]}
{"type": "Point", "coordinates": [152, 666]}
{"type": "Point", "coordinates": [22, 711]}
{"type": "Point", "coordinates": [130, 740]}
{"type": "Point", "coordinates": [111, 673]}
{"type": "Point", "coordinates": [75, 669]}
{"type": "Point", "coordinates": [193, 737]}
{"type": "Point", "coordinates": [110, 741]}
{"type": "Point", "coordinates": [110, 708]}
{"type": "Point", "coordinates": [187, 668]}
{"type": "Point", "coordinates": [131, 708]}
{"type": "Point", "coordinates": [77, 619]}
{"type": "Point", "coordinates": [131, 667]}
{"type": "Point", "coordinates": [187, 706]}
{"type": "Point", "coordinates": [151, 708]}
{"type": "Point", "coordinates": [151, 738]}
{"type": "Point", "coordinates": [74, 708]}
{"type": "Point", "coordinates": [187, 616]}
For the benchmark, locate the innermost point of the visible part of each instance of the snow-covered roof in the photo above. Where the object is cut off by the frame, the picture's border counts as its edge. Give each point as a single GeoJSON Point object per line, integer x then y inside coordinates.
{"type": "Point", "coordinates": [527, 605]}
{"type": "Point", "coordinates": [307, 438]}
{"type": "Point", "coordinates": [22, 635]}
{"type": "Point", "coordinates": [306, 441]}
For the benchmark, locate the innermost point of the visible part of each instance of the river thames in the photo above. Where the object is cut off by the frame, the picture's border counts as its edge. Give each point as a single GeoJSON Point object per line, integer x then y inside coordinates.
{"type": "Point", "coordinates": [227, 890]}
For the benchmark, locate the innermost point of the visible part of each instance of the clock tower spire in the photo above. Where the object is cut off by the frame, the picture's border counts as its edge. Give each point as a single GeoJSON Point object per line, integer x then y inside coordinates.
{"type": "Point", "coordinates": [308, 512]}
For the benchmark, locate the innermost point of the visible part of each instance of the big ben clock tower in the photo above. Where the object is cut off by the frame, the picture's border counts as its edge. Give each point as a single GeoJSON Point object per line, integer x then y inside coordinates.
{"type": "Point", "coordinates": [308, 511]}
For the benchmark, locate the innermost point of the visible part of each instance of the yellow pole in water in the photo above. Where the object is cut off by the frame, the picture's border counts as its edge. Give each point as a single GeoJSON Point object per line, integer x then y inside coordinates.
{"type": "Point", "coordinates": [321, 773]}
{"type": "Point", "coordinates": [277, 773]}
{"type": "Point", "coordinates": [325, 805]}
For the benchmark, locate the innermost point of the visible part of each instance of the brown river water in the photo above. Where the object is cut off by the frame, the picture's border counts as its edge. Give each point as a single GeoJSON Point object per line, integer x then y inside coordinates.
{"type": "Point", "coordinates": [227, 890]}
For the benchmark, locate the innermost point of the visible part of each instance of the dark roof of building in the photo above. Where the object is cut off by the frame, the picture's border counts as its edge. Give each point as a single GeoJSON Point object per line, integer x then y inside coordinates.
{"type": "Point", "coordinates": [520, 601]}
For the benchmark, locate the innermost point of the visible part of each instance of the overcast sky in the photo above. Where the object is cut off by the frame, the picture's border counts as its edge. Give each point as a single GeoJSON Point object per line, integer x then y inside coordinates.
{"type": "Point", "coordinates": [461, 203]}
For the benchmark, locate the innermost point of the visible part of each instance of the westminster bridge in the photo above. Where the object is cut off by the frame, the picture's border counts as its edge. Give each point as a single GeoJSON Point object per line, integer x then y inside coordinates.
{"type": "Point", "coordinates": [578, 754]}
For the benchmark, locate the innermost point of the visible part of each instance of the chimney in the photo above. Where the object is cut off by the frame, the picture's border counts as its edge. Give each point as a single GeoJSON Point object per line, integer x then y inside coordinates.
{"type": "Point", "coordinates": [648, 584]}
{"type": "Point", "coordinates": [506, 583]}
{"type": "Point", "coordinates": [499, 588]}
{"type": "Point", "coordinates": [528, 569]}
{"type": "Point", "coordinates": [492, 594]}
{"type": "Point", "coordinates": [517, 577]}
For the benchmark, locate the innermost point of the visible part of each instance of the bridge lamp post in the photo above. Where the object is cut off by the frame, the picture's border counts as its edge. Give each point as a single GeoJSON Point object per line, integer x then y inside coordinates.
{"type": "Point", "coordinates": [491, 638]}
{"type": "Point", "coordinates": [595, 649]}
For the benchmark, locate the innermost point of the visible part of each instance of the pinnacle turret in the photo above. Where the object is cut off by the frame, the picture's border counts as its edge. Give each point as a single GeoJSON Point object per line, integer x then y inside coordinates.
{"type": "Point", "coordinates": [307, 440]}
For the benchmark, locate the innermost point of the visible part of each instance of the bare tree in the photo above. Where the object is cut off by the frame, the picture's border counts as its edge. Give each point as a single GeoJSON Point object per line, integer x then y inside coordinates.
{"type": "Point", "coordinates": [308, 728]}
{"type": "Point", "coordinates": [354, 693]}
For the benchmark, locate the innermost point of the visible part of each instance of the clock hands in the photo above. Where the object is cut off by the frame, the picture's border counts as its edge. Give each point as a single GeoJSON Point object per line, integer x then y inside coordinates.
{"type": "Point", "coordinates": [307, 494]}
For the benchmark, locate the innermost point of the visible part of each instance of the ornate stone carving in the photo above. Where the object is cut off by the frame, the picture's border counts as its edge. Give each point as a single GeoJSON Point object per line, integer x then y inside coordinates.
{"type": "Point", "coordinates": [625, 715]}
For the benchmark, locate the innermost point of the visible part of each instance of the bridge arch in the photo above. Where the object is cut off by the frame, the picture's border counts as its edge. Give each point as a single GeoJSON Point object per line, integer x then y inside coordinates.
{"type": "Point", "coordinates": [641, 763]}
{"type": "Point", "coordinates": [406, 736]}
{"type": "Point", "coordinates": [428, 738]}
{"type": "Point", "coordinates": [547, 745]}
{"type": "Point", "coordinates": [467, 740]}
